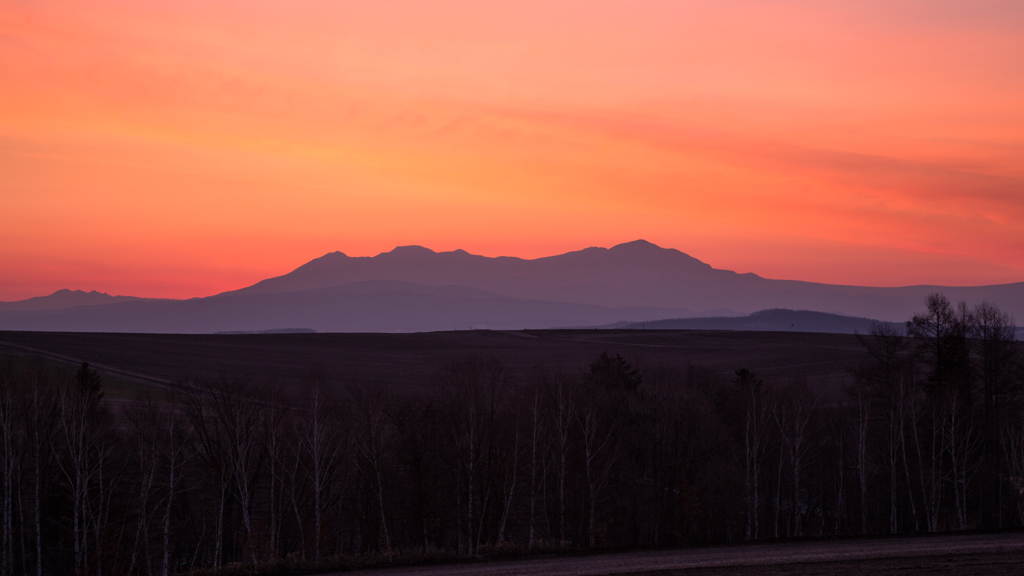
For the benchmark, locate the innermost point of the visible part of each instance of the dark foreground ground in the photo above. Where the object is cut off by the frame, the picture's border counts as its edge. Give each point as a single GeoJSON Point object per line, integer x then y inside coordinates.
{"type": "Point", "coordinates": [994, 555]}
{"type": "Point", "coordinates": [411, 359]}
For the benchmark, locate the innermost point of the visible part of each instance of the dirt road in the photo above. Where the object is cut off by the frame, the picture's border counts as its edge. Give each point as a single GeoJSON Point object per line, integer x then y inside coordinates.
{"type": "Point", "coordinates": [954, 554]}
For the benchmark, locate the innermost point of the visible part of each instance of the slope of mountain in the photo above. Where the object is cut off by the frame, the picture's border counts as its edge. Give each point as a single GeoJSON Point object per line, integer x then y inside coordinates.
{"type": "Point", "coordinates": [64, 299]}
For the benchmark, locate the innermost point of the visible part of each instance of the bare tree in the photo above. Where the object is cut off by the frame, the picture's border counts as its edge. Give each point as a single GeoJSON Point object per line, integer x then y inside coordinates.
{"type": "Point", "coordinates": [242, 419]}
{"type": "Point", "coordinates": [475, 395]}
{"type": "Point", "coordinates": [146, 435]}
{"type": "Point", "coordinates": [792, 416]}
{"type": "Point", "coordinates": [905, 394]}
{"type": "Point", "coordinates": [1012, 442]}
{"type": "Point", "coordinates": [509, 488]}
{"type": "Point", "coordinates": [10, 450]}
{"type": "Point", "coordinates": [80, 435]}
{"type": "Point", "coordinates": [322, 438]}
{"type": "Point", "coordinates": [228, 418]}
{"type": "Point", "coordinates": [563, 414]}
{"type": "Point", "coordinates": [372, 436]}
{"type": "Point", "coordinates": [42, 426]}
{"type": "Point", "coordinates": [961, 445]}
{"type": "Point", "coordinates": [277, 413]}
{"type": "Point", "coordinates": [941, 336]}
{"type": "Point", "coordinates": [208, 444]}
{"type": "Point", "coordinates": [863, 418]}
{"type": "Point", "coordinates": [755, 438]}
{"type": "Point", "coordinates": [536, 424]}
{"type": "Point", "coordinates": [600, 451]}
{"type": "Point", "coordinates": [176, 456]}
{"type": "Point", "coordinates": [999, 359]}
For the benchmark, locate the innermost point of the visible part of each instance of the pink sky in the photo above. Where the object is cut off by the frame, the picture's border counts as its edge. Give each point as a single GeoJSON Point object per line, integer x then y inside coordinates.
{"type": "Point", "coordinates": [184, 148]}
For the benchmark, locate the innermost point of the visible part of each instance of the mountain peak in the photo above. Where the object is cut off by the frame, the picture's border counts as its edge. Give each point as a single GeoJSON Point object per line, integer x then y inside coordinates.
{"type": "Point", "coordinates": [644, 250]}
{"type": "Point", "coordinates": [67, 292]}
{"type": "Point", "coordinates": [407, 251]}
{"type": "Point", "coordinates": [637, 245]}
{"type": "Point", "coordinates": [327, 260]}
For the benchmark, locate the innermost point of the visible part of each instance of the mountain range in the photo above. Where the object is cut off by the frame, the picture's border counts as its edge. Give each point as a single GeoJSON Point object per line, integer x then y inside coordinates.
{"type": "Point", "coordinates": [412, 288]}
{"type": "Point", "coordinates": [64, 299]}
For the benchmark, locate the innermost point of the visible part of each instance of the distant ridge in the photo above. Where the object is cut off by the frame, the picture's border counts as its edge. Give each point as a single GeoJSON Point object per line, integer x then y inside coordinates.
{"type": "Point", "coordinates": [775, 320]}
{"type": "Point", "coordinates": [274, 331]}
{"type": "Point", "coordinates": [412, 288]}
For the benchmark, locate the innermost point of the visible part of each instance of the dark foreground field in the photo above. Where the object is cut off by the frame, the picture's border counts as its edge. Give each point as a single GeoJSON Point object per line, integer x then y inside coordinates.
{"type": "Point", "coordinates": [993, 555]}
{"type": "Point", "coordinates": [411, 359]}
{"type": "Point", "coordinates": [405, 449]}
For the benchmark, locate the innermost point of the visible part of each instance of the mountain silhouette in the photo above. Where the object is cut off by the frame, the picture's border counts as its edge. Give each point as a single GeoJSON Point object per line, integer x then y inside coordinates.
{"type": "Point", "coordinates": [635, 274]}
{"type": "Point", "coordinates": [599, 276]}
{"type": "Point", "coordinates": [413, 288]}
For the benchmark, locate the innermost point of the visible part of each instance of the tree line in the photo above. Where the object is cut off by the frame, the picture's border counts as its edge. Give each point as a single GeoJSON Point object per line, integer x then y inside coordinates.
{"type": "Point", "coordinates": [927, 435]}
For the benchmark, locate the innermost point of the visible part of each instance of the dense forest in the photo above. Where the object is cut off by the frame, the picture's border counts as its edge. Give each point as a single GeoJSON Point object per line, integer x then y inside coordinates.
{"type": "Point", "coordinates": [926, 435]}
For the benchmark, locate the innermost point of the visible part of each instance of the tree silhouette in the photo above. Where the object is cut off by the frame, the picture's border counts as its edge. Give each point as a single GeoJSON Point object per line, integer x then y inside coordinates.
{"type": "Point", "coordinates": [615, 373]}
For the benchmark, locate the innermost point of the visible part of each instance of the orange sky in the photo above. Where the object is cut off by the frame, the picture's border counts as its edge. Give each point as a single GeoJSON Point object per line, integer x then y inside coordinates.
{"type": "Point", "coordinates": [184, 148]}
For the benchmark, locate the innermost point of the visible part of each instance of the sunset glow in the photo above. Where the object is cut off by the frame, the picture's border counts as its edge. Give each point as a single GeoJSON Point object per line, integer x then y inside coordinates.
{"type": "Point", "coordinates": [179, 149]}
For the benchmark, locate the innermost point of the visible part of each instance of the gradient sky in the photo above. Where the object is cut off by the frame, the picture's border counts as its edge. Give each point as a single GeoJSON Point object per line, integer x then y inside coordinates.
{"type": "Point", "coordinates": [182, 148]}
